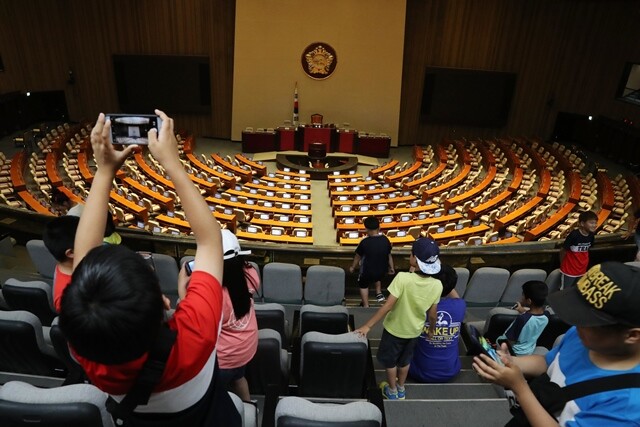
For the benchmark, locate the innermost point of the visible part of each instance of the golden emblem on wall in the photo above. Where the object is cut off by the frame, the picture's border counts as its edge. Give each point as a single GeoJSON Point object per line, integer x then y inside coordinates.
{"type": "Point", "coordinates": [319, 60]}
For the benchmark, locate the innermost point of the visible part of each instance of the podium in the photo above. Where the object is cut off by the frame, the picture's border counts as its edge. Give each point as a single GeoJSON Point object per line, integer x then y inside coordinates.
{"type": "Point", "coordinates": [287, 138]}
{"type": "Point", "coordinates": [258, 142]}
{"type": "Point", "coordinates": [346, 141]}
{"type": "Point", "coordinates": [315, 134]}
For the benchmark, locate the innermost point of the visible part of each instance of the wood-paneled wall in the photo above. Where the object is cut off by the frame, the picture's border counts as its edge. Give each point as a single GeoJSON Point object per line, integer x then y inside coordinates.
{"type": "Point", "coordinates": [568, 54]}
{"type": "Point", "coordinates": [41, 40]}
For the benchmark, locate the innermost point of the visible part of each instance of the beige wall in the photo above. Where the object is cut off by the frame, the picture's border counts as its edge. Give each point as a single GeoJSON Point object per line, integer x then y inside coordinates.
{"type": "Point", "coordinates": [364, 90]}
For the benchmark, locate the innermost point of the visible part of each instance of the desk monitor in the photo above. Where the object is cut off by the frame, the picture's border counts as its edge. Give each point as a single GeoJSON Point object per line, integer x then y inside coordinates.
{"type": "Point", "coordinates": [414, 204]}
{"type": "Point", "coordinates": [286, 206]}
{"type": "Point", "coordinates": [251, 202]}
{"type": "Point", "coordinates": [212, 208]}
{"type": "Point", "coordinates": [387, 219]}
{"type": "Point", "coordinates": [157, 230]}
{"type": "Point", "coordinates": [264, 216]}
{"type": "Point", "coordinates": [359, 198]}
{"type": "Point", "coordinates": [276, 232]}
{"type": "Point", "coordinates": [355, 188]}
{"type": "Point", "coordinates": [349, 221]}
{"type": "Point", "coordinates": [253, 191]}
{"type": "Point", "coordinates": [283, 218]}
{"type": "Point", "coordinates": [268, 204]}
{"type": "Point", "coordinates": [301, 233]}
{"type": "Point", "coordinates": [372, 187]}
{"type": "Point", "coordinates": [422, 215]}
{"type": "Point", "coordinates": [140, 224]}
{"type": "Point", "coordinates": [352, 172]}
{"type": "Point", "coordinates": [252, 229]}
{"type": "Point", "coordinates": [337, 179]}
{"type": "Point", "coordinates": [302, 171]}
{"type": "Point", "coordinates": [401, 233]}
{"type": "Point", "coordinates": [286, 196]}
{"type": "Point", "coordinates": [286, 178]}
{"type": "Point", "coordinates": [287, 186]}
{"type": "Point", "coordinates": [440, 229]}
{"type": "Point", "coordinates": [256, 181]}
{"type": "Point", "coordinates": [304, 207]}
{"type": "Point", "coordinates": [459, 226]}
{"type": "Point", "coordinates": [170, 214]}
{"type": "Point", "coordinates": [217, 196]}
{"type": "Point", "coordinates": [228, 211]}
{"type": "Point", "coordinates": [353, 235]}
{"type": "Point", "coordinates": [304, 187]}
{"type": "Point", "coordinates": [385, 185]}
{"type": "Point", "coordinates": [271, 193]}
{"type": "Point", "coordinates": [339, 188]}
{"type": "Point", "coordinates": [271, 184]}
{"type": "Point", "coordinates": [304, 197]}
{"type": "Point", "coordinates": [405, 218]}
{"type": "Point", "coordinates": [364, 208]}
{"type": "Point", "coordinates": [233, 198]}
{"type": "Point", "coordinates": [304, 219]}
{"type": "Point", "coordinates": [345, 208]}
{"type": "Point", "coordinates": [376, 197]}
{"type": "Point", "coordinates": [272, 175]}
{"type": "Point", "coordinates": [303, 179]}
{"type": "Point", "coordinates": [238, 187]}
{"type": "Point", "coordinates": [175, 233]}
{"type": "Point", "coordinates": [336, 173]}
{"type": "Point", "coordinates": [354, 179]}
{"type": "Point", "coordinates": [343, 198]}
{"type": "Point", "coordinates": [286, 169]}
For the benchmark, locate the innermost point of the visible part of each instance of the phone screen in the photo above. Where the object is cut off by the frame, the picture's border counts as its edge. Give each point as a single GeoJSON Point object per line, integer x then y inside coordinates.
{"type": "Point", "coordinates": [489, 351]}
{"type": "Point", "coordinates": [189, 267]}
{"type": "Point", "coordinates": [128, 129]}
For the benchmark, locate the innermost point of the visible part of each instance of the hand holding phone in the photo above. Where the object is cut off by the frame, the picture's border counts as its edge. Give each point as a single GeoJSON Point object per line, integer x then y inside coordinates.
{"type": "Point", "coordinates": [189, 267]}
{"type": "Point", "coordinates": [490, 351]}
{"type": "Point", "coordinates": [129, 129]}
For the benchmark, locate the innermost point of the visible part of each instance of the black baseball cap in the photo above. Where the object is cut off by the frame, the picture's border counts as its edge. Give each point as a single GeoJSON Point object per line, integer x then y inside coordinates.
{"type": "Point", "coordinates": [608, 294]}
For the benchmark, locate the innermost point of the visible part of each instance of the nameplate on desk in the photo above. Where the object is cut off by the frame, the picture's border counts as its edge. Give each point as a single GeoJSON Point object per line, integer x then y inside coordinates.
{"type": "Point", "coordinates": [304, 219]}
{"type": "Point", "coordinates": [288, 206]}
{"type": "Point", "coordinates": [276, 232]}
{"type": "Point", "coordinates": [301, 234]}
{"type": "Point", "coordinates": [304, 207]}
{"type": "Point", "coordinates": [264, 216]}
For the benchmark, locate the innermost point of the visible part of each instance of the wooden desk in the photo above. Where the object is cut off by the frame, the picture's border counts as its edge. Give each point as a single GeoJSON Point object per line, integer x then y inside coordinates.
{"type": "Point", "coordinates": [252, 208]}
{"type": "Point", "coordinates": [357, 183]}
{"type": "Point", "coordinates": [166, 202]}
{"type": "Point", "coordinates": [239, 193]}
{"type": "Point", "coordinates": [83, 165]}
{"type": "Point", "coordinates": [447, 185]}
{"type": "Point", "coordinates": [209, 187]}
{"type": "Point", "coordinates": [550, 223]}
{"type": "Point", "coordinates": [489, 204]}
{"type": "Point", "coordinates": [296, 175]}
{"type": "Point", "coordinates": [32, 202]}
{"type": "Point", "coordinates": [432, 220]}
{"type": "Point", "coordinates": [515, 215]}
{"type": "Point", "coordinates": [488, 179]}
{"type": "Point", "coordinates": [285, 224]}
{"type": "Point", "coordinates": [374, 146]}
{"type": "Point", "coordinates": [346, 141]}
{"type": "Point", "coordinates": [226, 180]}
{"type": "Point", "coordinates": [425, 179]}
{"type": "Point", "coordinates": [575, 187]}
{"type": "Point", "coordinates": [276, 239]}
{"type": "Point", "coordinates": [279, 187]}
{"type": "Point", "coordinates": [463, 232]}
{"type": "Point", "coordinates": [18, 163]}
{"type": "Point", "coordinates": [404, 240]}
{"type": "Point", "coordinates": [344, 176]}
{"type": "Point", "coordinates": [259, 169]}
{"type": "Point", "coordinates": [395, 200]}
{"type": "Point", "coordinates": [258, 142]}
{"type": "Point", "coordinates": [151, 173]}
{"type": "Point", "coordinates": [606, 193]}
{"type": "Point", "coordinates": [229, 220]}
{"type": "Point", "coordinates": [71, 195]}
{"type": "Point", "coordinates": [133, 208]}
{"type": "Point", "coordinates": [353, 193]}
{"type": "Point", "coordinates": [410, 171]}
{"type": "Point", "coordinates": [244, 174]}
{"type": "Point", "coordinates": [545, 183]}
{"type": "Point", "coordinates": [52, 168]}
{"type": "Point", "coordinates": [374, 173]}
{"type": "Point", "coordinates": [518, 174]}
{"type": "Point", "coordinates": [316, 134]}
{"type": "Point", "coordinates": [338, 215]}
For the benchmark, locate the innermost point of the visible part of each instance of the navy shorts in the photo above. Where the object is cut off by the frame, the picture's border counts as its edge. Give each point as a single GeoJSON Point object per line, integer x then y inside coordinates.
{"type": "Point", "coordinates": [366, 280]}
{"type": "Point", "coordinates": [227, 376]}
{"type": "Point", "coordinates": [395, 352]}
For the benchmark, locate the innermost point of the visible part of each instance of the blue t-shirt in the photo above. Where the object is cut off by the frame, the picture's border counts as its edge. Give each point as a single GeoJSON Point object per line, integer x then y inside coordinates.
{"type": "Point", "coordinates": [436, 360]}
{"type": "Point", "coordinates": [525, 330]}
{"type": "Point", "coordinates": [569, 363]}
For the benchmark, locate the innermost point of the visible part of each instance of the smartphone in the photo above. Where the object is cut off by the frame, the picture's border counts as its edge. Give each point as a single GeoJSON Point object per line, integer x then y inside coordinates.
{"type": "Point", "coordinates": [511, 352]}
{"type": "Point", "coordinates": [128, 129]}
{"type": "Point", "coordinates": [189, 267]}
{"type": "Point", "coordinates": [489, 351]}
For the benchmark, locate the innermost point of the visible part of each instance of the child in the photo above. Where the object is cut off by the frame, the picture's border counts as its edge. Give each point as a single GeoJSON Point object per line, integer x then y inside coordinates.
{"type": "Point", "coordinates": [574, 255]}
{"type": "Point", "coordinates": [604, 343]}
{"type": "Point", "coordinates": [113, 312]}
{"type": "Point", "coordinates": [411, 295]}
{"type": "Point", "coordinates": [59, 235]}
{"type": "Point", "coordinates": [436, 359]}
{"type": "Point", "coordinates": [373, 254]}
{"type": "Point", "coordinates": [524, 331]}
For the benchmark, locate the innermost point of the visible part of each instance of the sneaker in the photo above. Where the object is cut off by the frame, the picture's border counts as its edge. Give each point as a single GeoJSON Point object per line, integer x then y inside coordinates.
{"type": "Point", "coordinates": [401, 394]}
{"type": "Point", "coordinates": [387, 393]}
{"type": "Point", "coordinates": [380, 297]}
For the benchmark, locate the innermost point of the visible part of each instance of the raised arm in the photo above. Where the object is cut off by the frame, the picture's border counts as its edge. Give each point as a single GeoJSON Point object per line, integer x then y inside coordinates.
{"type": "Point", "coordinates": [108, 160]}
{"type": "Point", "coordinates": [164, 147]}
{"type": "Point", "coordinates": [382, 311]}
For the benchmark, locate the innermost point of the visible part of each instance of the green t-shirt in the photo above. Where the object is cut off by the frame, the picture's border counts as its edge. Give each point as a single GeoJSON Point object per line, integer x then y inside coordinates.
{"type": "Point", "coordinates": [415, 294]}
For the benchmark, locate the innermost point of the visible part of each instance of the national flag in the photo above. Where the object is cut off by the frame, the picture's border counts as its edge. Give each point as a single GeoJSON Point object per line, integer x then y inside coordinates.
{"type": "Point", "coordinates": [295, 105]}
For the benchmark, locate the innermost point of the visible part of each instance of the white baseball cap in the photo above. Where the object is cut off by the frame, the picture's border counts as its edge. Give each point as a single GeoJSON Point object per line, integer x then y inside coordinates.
{"type": "Point", "coordinates": [230, 245]}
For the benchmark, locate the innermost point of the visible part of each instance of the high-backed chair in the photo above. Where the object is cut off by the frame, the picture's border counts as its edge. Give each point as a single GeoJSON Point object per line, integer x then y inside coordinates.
{"type": "Point", "coordinates": [328, 320]}
{"type": "Point", "coordinates": [167, 271]}
{"type": "Point", "coordinates": [463, 280]}
{"type": "Point", "coordinates": [282, 283]}
{"type": "Point", "coordinates": [77, 405]}
{"type": "Point", "coordinates": [258, 295]}
{"type": "Point", "coordinates": [513, 291]}
{"type": "Point", "coordinates": [324, 285]}
{"type": "Point", "coordinates": [272, 316]}
{"type": "Point", "coordinates": [332, 365]}
{"type": "Point", "coordinates": [486, 286]}
{"type": "Point", "coordinates": [295, 411]}
{"type": "Point", "coordinates": [553, 280]}
{"type": "Point", "coordinates": [554, 329]}
{"type": "Point", "coordinates": [59, 342]}
{"type": "Point", "coordinates": [23, 349]}
{"type": "Point", "coordinates": [269, 366]}
{"type": "Point", "coordinates": [41, 257]}
{"type": "Point", "coordinates": [316, 119]}
{"type": "Point", "coordinates": [34, 297]}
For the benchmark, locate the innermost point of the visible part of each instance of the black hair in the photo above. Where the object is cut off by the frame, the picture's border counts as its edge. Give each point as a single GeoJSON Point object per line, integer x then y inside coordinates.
{"type": "Point", "coordinates": [110, 226]}
{"type": "Point", "coordinates": [112, 310]}
{"type": "Point", "coordinates": [371, 223]}
{"type": "Point", "coordinates": [59, 236]}
{"type": "Point", "coordinates": [587, 216]}
{"type": "Point", "coordinates": [235, 280]}
{"type": "Point", "coordinates": [536, 291]}
{"type": "Point", "coordinates": [449, 278]}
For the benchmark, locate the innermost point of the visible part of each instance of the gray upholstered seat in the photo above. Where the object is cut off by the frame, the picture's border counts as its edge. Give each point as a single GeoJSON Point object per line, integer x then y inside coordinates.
{"type": "Point", "coordinates": [486, 287]}
{"type": "Point", "coordinates": [71, 406]}
{"type": "Point", "coordinates": [332, 365]}
{"type": "Point", "coordinates": [34, 297]}
{"type": "Point", "coordinates": [324, 285]}
{"type": "Point", "coordinates": [513, 292]}
{"type": "Point", "coordinates": [270, 365]}
{"type": "Point", "coordinates": [41, 257]}
{"type": "Point", "coordinates": [282, 283]}
{"type": "Point", "coordinates": [167, 272]}
{"type": "Point", "coordinates": [248, 412]}
{"type": "Point", "coordinates": [298, 412]}
{"type": "Point", "coordinates": [553, 280]}
{"type": "Point", "coordinates": [272, 316]}
{"type": "Point", "coordinates": [463, 279]}
{"type": "Point", "coordinates": [329, 320]}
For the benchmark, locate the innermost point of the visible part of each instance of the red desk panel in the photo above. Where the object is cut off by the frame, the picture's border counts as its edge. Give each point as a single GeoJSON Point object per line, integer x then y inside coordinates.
{"type": "Point", "coordinates": [311, 134]}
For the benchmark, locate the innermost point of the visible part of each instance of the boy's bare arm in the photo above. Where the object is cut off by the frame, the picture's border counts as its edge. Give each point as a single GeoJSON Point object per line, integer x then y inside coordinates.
{"type": "Point", "coordinates": [432, 315]}
{"type": "Point", "coordinates": [355, 263]}
{"type": "Point", "coordinates": [382, 311]}
{"type": "Point", "coordinates": [391, 267]}
{"type": "Point", "coordinates": [108, 160]}
{"type": "Point", "coordinates": [164, 147]}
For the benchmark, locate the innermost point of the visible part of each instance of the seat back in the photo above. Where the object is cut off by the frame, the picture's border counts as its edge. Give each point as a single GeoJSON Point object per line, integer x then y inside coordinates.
{"type": "Point", "coordinates": [21, 342]}
{"type": "Point", "coordinates": [268, 366]}
{"type": "Point", "coordinates": [553, 280]}
{"type": "Point", "coordinates": [332, 365]}
{"type": "Point", "coordinates": [41, 257]}
{"type": "Point", "coordinates": [34, 297]}
{"type": "Point", "coordinates": [258, 295]}
{"type": "Point", "coordinates": [282, 283]}
{"type": "Point", "coordinates": [324, 285]}
{"type": "Point", "coordinates": [59, 341]}
{"type": "Point", "coordinates": [498, 324]}
{"type": "Point", "coordinates": [272, 316]}
{"type": "Point", "coordinates": [77, 405]}
{"type": "Point", "coordinates": [513, 292]}
{"type": "Point", "coordinates": [554, 329]}
{"type": "Point", "coordinates": [167, 272]}
{"type": "Point", "coordinates": [332, 320]}
{"type": "Point", "coordinates": [463, 279]}
{"type": "Point", "coordinates": [486, 287]}
{"type": "Point", "coordinates": [294, 411]}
